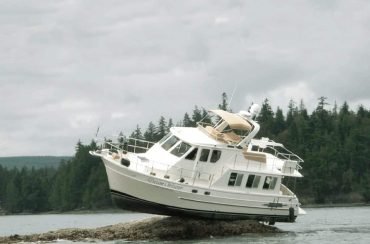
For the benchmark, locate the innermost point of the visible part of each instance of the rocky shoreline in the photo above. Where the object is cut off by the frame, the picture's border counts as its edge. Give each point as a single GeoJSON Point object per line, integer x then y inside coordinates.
{"type": "Point", "coordinates": [157, 228]}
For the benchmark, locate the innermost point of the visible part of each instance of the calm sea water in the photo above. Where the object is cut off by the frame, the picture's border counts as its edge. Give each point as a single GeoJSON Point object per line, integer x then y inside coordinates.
{"type": "Point", "coordinates": [320, 225]}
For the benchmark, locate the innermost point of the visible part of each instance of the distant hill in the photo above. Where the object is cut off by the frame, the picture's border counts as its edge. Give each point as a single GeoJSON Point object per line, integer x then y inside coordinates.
{"type": "Point", "coordinates": [32, 161]}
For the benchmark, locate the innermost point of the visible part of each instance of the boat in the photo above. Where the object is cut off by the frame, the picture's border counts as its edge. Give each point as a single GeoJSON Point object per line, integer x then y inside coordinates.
{"type": "Point", "coordinates": [216, 170]}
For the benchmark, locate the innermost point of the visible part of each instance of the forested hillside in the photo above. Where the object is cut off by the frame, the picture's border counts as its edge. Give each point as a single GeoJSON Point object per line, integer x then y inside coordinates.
{"type": "Point", "coordinates": [79, 183]}
{"type": "Point", "coordinates": [32, 161]}
{"type": "Point", "coordinates": [335, 145]}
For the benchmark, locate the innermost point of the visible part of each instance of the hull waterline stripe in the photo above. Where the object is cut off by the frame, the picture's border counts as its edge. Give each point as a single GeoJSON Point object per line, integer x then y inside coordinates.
{"type": "Point", "coordinates": [229, 204]}
{"type": "Point", "coordinates": [194, 211]}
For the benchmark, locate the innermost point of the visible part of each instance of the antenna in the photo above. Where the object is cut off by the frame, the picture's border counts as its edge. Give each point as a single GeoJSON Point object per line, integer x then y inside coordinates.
{"type": "Point", "coordinates": [97, 132]}
{"type": "Point", "coordinates": [232, 95]}
{"type": "Point", "coordinates": [228, 104]}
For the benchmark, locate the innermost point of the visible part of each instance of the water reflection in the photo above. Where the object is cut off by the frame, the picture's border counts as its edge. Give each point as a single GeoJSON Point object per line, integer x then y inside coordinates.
{"type": "Point", "coordinates": [320, 225]}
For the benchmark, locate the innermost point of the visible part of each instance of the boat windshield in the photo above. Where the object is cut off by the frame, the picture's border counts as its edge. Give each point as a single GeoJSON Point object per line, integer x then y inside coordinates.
{"type": "Point", "coordinates": [181, 149]}
{"type": "Point", "coordinates": [165, 138]}
{"type": "Point", "coordinates": [170, 143]}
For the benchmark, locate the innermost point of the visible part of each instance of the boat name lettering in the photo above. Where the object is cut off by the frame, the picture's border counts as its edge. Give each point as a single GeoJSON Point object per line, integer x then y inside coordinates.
{"type": "Point", "coordinates": [164, 183]}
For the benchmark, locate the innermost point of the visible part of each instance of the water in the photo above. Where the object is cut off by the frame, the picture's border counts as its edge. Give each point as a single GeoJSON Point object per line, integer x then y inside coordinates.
{"type": "Point", "coordinates": [320, 225]}
{"type": "Point", "coordinates": [31, 224]}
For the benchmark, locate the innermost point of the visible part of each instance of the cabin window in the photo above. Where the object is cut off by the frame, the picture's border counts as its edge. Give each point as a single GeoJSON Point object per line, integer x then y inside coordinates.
{"type": "Point", "coordinates": [269, 183]}
{"type": "Point", "coordinates": [165, 138]}
{"type": "Point", "coordinates": [235, 179]}
{"type": "Point", "coordinates": [181, 149]}
{"type": "Point", "coordinates": [215, 156]}
{"type": "Point", "coordinates": [254, 148]}
{"type": "Point", "coordinates": [253, 181]}
{"type": "Point", "coordinates": [239, 180]}
{"type": "Point", "coordinates": [170, 142]}
{"type": "Point", "coordinates": [192, 155]}
{"type": "Point", "coordinates": [204, 155]}
{"type": "Point", "coordinates": [232, 179]}
{"type": "Point", "coordinates": [271, 151]}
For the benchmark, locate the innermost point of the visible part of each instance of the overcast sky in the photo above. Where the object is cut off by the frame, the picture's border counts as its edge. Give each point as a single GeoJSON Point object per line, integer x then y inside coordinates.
{"type": "Point", "coordinates": [67, 67]}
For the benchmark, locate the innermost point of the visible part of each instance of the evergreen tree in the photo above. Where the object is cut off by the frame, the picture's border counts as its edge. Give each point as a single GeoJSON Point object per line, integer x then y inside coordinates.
{"type": "Point", "coordinates": [206, 119]}
{"type": "Point", "coordinates": [150, 133]}
{"type": "Point", "coordinates": [169, 125]}
{"type": "Point", "coordinates": [302, 110]}
{"type": "Point", "coordinates": [137, 134]}
{"type": "Point", "coordinates": [279, 122]}
{"type": "Point", "coordinates": [161, 129]}
{"type": "Point", "coordinates": [266, 119]}
{"type": "Point", "coordinates": [187, 122]}
{"type": "Point", "coordinates": [292, 112]}
{"type": "Point", "coordinates": [13, 194]}
{"type": "Point", "coordinates": [224, 105]}
{"type": "Point", "coordinates": [197, 116]}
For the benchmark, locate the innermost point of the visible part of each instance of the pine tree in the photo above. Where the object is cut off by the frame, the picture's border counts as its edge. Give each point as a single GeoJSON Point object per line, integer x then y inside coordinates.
{"type": "Point", "coordinates": [137, 134]}
{"type": "Point", "coordinates": [224, 105]}
{"type": "Point", "coordinates": [169, 125]}
{"type": "Point", "coordinates": [197, 116]}
{"type": "Point", "coordinates": [266, 119]}
{"type": "Point", "coordinates": [13, 194]}
{"type": "Point", "coordinates": [292, 112]}
{"type": "Point", "coordinates": [302, 110]}
{"type": "Point", "coordinates": [161, 129]}
{"type": "Point", "coordinates": [149, 134]}
{"type": "Point", "coordinates": [206, 119]}
{"type": "Point", "coordinates": [187, 122]}
{"type": "Point", "coordinates": [279, 122]}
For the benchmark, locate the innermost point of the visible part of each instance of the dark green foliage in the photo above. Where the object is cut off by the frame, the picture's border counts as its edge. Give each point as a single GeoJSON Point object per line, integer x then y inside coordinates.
{"type": "Point", "coordinates": [334, 145]}
{"type": "Point", "coordinates": [137, 134]}
{"type": "Point", "coordinates": [162, 129]}
{"type": "Point", "coordinates": [79, 183]}
{"type": "Point", "coordinates": [197, 115]}
{"type": "Point", "coordinates": [149, 134]}
{"type": "Point", "coordinates": [266, 118]}
{"type": "Point", "coordinates": [36, 162]}
{"type": "Point", "coordinates": [26, 190]}
{"type": "Point", "coordinates": [187, 122]}
{"type": "Point", "coordinates": [169, 125]}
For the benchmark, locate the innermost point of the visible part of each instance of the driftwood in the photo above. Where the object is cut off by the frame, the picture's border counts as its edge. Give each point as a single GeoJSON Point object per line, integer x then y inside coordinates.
{"type": "Point", "coordinates": [157, 228]}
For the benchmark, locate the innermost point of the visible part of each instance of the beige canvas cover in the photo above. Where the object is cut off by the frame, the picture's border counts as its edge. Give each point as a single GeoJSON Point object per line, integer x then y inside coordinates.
{"type": "Point", "coordinates": [235, 121]}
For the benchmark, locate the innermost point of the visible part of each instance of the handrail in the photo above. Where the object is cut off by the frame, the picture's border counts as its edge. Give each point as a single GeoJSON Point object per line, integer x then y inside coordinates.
{"type": "Point", "coordinates": [288, 156]}
{"type": "Point", "coordinates": [129, 145]}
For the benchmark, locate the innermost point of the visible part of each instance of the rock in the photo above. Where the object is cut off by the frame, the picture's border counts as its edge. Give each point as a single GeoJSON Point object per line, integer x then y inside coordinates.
{"type": "Point", "coordinates": [157, 228]}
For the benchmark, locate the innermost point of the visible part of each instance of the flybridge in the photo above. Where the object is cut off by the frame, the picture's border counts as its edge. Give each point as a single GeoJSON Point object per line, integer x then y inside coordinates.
{"type": "Point", "coordinates": [229, 128]}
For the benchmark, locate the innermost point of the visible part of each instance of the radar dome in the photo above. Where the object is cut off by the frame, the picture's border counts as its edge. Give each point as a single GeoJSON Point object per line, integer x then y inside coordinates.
{"type": "Point", "coordinates": [254, 110]}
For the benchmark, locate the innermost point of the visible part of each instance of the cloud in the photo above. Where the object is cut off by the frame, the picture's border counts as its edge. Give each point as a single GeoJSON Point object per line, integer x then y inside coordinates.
{"type": "Point", "coordinates": [68, 67]}
{"type": "Point", "coordinates": [117, 115]}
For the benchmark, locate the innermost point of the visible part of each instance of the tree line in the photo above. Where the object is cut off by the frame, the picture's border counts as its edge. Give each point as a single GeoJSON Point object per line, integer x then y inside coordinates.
{"type": "Point", "coordinates": [333, 142]}
{"type": "Point", "coordinates": [78, 183]}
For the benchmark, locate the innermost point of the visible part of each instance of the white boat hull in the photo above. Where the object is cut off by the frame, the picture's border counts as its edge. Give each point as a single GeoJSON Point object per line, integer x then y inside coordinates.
{"type": "Point", "coordinates": [141, 192]}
